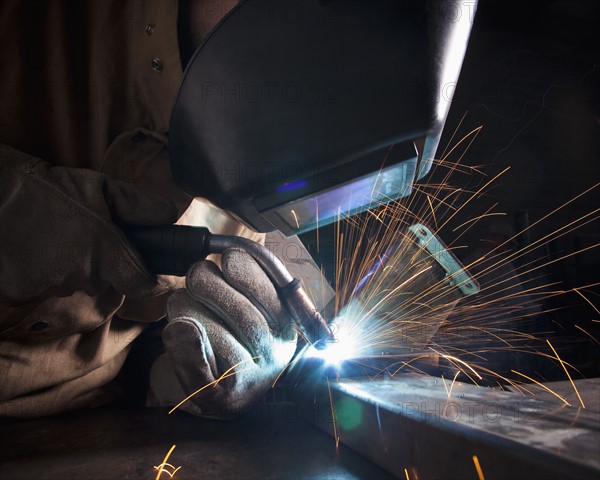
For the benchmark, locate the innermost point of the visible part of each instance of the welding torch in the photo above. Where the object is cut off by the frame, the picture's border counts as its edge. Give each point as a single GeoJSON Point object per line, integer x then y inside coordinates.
{"type": "Point", "coordinates": [172, 249]}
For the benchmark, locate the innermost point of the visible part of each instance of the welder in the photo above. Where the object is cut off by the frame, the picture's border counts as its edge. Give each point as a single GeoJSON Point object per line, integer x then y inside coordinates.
{"type": "Point", "coordinates": [87, 94]}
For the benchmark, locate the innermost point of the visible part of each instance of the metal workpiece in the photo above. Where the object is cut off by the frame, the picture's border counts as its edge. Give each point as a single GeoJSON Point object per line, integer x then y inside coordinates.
{"type": "Point", "coordinates": [455, 273]}
{"type": "Point", "coordinates": [427, 427]}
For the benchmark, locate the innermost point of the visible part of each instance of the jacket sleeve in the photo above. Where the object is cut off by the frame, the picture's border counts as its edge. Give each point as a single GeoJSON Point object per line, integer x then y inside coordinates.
{"type": "Point", "coordinates": [60, 235]}
{"type": "Point", "coordinates": [65, 269]}
{"type": "Point", "coordinates": [62, 353]}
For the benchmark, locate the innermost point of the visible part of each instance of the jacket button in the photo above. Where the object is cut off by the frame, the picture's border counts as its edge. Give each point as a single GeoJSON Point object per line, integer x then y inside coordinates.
{"type": "Point", "coordinates": [157, 64]}
{"type": "Point", "coordinates": [39, 326]}
{"type": "Point", "coordinates": [150, 28]}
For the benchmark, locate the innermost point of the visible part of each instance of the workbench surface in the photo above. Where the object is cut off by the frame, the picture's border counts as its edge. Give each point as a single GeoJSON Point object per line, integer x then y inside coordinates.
{"type": "Point", "coordinates": [120, 443]}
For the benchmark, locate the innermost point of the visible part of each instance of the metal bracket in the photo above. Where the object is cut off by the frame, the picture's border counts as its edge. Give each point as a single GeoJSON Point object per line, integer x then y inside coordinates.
{"type": "Point", "coordinates": [455, 273]}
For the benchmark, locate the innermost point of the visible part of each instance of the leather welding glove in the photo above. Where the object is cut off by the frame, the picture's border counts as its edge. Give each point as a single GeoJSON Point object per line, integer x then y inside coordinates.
{"type": "Point", "coordinates": [59, 231]}
{"type": "Point", "coordinates": [228, 324]}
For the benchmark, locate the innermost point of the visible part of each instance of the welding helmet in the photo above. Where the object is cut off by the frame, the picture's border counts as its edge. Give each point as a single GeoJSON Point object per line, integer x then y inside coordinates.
{"type": "Point", "coordinates": [292, 114]}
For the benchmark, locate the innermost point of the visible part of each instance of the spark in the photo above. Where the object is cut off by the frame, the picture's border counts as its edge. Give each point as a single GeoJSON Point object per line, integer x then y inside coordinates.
{"type": "Point", "coordinates": [588, 334]}
{"type": "Point", "coordinates": [387, 304]}
{"type": "Point", "coordinates": [396, 289]}
{"type": "Point", "coordinates": [161, 468]}
{"type": "Point", "coordinates": [478, 468]}
{"type": "Point", "coordinates": [215, 382]}
{"type": "Point", "coordinates": [435, 223]}
{"type": "Point", "coordinates": [550, 236]}
{"type": "Point", "coordinates": [473, 134]}
{"type": "Point", "coordinates": [445, 386]}
{"type": "Point", "coordinates": [452, 384]}
{"type": "Point", "coordinates": [479, 217]}
{"type": "Point", "coordinates": [423, 189]}
{"type": "Point", "coordinates": [476, 194]}
{"type": "Point", "coordinates": [543, 386]}
{"type": "Point", "coordinates": [408, 364]}
{"type": "Point", "coordinates": [462, 362]}
{"type": "Point", "coordinates": [577, 290]}
{"type": "Point", "coordinates": [295, 218]}
{"type": "Point", "coordinates": [333, 419]}
{"type": "Point", "coordinates": [517, 387]}
{"type": "Point", "coordinates": [564, 257]}
{"type": "Point", "coordinates": [454, 134]}
{"type": "Point", "coordinates": [294, 360]}
{"type": "Point", "coordinates": [567, 372]}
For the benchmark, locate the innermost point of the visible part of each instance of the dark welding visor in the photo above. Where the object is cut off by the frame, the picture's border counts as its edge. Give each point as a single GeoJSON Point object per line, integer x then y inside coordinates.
{"type": "Point", "coordinates": [294, 113]}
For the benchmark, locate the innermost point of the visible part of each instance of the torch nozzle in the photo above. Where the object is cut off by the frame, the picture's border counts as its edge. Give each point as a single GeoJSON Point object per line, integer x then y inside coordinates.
{"type": "Point", "coordinates": [311, 323]}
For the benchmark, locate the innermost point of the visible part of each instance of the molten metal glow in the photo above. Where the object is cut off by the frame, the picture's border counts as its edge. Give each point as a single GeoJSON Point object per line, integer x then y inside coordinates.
{"type": "Point", "coordinates": [344, 348]}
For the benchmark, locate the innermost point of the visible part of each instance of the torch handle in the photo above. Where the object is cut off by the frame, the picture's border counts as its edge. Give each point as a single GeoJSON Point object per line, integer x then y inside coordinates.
{"type": "Point", "coordinates": [170, 249]}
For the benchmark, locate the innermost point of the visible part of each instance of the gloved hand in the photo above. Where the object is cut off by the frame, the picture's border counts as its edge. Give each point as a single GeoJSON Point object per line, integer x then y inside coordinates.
{"type": "Point", "coordinates": [59, 236]}
{"type": "Point", "coordinates": [228, 320]}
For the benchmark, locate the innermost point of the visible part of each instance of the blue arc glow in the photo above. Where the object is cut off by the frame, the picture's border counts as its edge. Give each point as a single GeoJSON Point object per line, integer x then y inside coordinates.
{"type": "Point", "coordinates": [293, 185]}
{"type": "Point", "coordinates": [344, 348]}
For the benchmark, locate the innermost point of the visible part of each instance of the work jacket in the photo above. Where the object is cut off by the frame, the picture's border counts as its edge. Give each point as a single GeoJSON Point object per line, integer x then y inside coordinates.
{"type": "Point", "coordinates": [87, 84]}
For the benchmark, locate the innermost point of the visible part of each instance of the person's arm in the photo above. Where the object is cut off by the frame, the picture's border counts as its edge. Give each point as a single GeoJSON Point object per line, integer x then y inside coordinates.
{"type": "Point", "coordinates": [59, 231]}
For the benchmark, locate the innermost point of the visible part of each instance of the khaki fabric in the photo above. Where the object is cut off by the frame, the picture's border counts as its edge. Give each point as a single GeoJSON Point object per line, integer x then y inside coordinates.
{"type": "Point", "coordinates": [87, 84]}
{"type": "Point", "coordinates": [76, 74]}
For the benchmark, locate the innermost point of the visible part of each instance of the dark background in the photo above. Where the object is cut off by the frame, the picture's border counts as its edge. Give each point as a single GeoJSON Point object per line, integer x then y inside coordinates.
{"type": "Point", "coordinates": [531, 79]}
